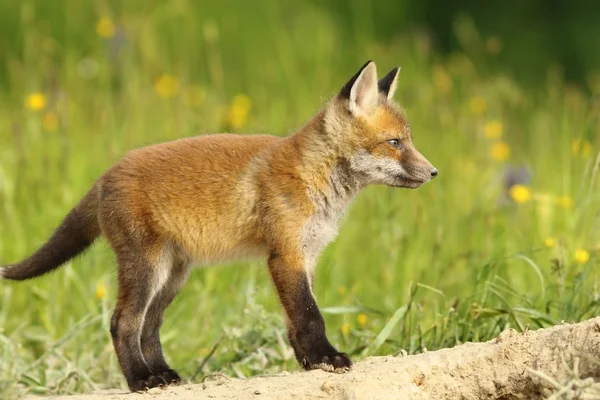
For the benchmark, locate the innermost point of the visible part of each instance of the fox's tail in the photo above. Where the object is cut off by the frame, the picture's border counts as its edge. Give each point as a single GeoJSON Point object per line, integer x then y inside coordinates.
{"type": "Point", "coordinates": [77, 232]}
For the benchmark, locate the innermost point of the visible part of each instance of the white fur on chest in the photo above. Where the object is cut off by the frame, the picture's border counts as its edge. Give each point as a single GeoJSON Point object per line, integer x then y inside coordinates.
{"type": "Point", "coordinates": [331, 205]}
{"type": "Point", "coordinates": [319, 231]}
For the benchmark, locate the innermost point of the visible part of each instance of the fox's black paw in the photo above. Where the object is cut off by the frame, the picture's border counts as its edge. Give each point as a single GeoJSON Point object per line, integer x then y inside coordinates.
{"type": "Point", "coordinates": [169, 376]}
{"type": "Point", "coordinates": [330, 362]}
{"type": "Point", "coordinates": [149, 382]}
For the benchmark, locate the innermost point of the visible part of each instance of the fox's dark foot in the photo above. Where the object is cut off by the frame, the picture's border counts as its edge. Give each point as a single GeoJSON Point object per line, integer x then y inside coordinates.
{"type": "Point", "coordinates": [170, 377]}
{"type": "Point", "coordinates": [149, 382]}
{"type": "Point", "coordinates": [330, 362]}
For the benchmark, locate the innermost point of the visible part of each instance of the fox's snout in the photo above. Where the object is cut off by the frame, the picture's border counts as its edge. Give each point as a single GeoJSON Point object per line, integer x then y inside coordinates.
{"type": "Point", "coordinates": [424, 173]}
{"type": "Point", "coordinates": [418, 169]}
{"type": "Point", "coordinates": [431, 171]}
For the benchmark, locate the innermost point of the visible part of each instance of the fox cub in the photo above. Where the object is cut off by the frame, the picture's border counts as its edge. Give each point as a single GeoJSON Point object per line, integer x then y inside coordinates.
{"type": "Point", "coordinates": [212, 198]}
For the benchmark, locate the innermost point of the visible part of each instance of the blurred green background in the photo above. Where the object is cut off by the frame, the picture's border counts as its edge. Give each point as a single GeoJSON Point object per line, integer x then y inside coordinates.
{"type": "Point", "coordinates": [501, 97]}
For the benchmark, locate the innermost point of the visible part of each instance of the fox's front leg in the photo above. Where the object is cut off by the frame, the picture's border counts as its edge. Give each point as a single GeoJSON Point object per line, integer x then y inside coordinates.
{"type": "Point", "coordinates": [306, 327]}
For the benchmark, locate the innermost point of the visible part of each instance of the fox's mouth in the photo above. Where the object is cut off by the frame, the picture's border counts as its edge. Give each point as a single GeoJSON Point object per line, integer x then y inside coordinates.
{"type": "Point", "coordinates": [409, 182]}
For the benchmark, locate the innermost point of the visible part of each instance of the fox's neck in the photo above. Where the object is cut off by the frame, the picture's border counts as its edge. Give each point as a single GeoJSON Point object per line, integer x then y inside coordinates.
{"type": "Point", "coordinates": [331, 184]}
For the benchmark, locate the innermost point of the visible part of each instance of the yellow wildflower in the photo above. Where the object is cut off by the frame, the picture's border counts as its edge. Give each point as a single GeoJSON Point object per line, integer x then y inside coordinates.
{"type": "Point", "coordinates": [441, 80]}
{"type": "Point", "coordinates": [581, 256]}
{"type": "Point", "coordinates": [204, 351]}
{"type": "Point", "coordinates": [50, 121]}
{"type": "Point", "coordinates": [166, 86]}
{"type": "Point", "coordinates": [105, 27]}
{"type": "Point", "coordinates": [493, 129]}
{"type": "Point", "coordinates": [477, 105]}
{"type": "Point", "coordinates": [581, 148]}
{"type": "Point", "coordinates": [500, 151]}
{"type": "Point", "coordinates": [564, 202]}
{"type": "Point", "coordinates": [342, 290]}
{"type": "Point", "coordinates": [520, 194]}
{"type": "Point", "coordinates": [362, 320]}
{"type": "Point", "coordinates": [100, 291]}
{"type": "Point", "coordinates": [345, 329]}
{"type": "Point", "coordinates": [237, 114]}
{"type": "Point", "coordinates": [550, 243]}
{"type": "Point", "coordinates": [36, 101]}
{"type": "Point", "coordinates": [193, 96]}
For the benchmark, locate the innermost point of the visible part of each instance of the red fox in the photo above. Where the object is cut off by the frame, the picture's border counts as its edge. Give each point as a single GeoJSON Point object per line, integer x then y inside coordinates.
{"type": "Point", "coordinates": [211, 198]}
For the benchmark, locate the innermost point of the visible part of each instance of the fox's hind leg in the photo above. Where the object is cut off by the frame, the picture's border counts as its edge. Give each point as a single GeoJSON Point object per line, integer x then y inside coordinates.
{"type": "Point", "coordinates": [150, 341]}
{"type": "Point", "coordinates": [145, 263]}
{"type": "Point", "coordinates": [141, 278]}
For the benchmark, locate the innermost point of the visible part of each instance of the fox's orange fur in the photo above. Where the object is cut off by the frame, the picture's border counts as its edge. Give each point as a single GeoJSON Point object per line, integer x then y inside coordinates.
{"type": "Point", "coordinates": [213, 198]}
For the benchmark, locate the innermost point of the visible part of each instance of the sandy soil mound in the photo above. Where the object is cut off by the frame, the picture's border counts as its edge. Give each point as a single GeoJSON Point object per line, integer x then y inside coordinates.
{"type": "Point", "coordinates": [560, 362]}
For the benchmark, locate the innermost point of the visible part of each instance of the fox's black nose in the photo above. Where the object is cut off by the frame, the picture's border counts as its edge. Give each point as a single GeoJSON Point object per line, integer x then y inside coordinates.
{"type": "Point", "coordinates": [433, 172]}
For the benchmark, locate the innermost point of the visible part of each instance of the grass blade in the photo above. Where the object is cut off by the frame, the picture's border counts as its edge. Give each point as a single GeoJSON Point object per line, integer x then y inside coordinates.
{"type": "Point", "coordinates": [387, 330]}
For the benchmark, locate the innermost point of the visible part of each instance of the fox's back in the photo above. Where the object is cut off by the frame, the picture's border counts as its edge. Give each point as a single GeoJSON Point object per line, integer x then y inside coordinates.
{"type": "Point", "coordinates": [199, 192]}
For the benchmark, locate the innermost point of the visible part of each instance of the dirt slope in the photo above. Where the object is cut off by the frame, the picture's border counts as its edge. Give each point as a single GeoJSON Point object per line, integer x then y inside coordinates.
{"type": "Point", "coordinates": [511, 366]}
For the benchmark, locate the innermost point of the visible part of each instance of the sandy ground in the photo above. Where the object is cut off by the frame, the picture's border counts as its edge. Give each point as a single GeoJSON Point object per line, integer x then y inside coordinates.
{"type": "Point", "coordinates": [536, 364]}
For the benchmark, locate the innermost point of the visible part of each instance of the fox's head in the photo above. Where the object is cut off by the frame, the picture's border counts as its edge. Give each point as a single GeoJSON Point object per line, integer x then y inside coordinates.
{"type": "Point", "coordinates": [372, 133]}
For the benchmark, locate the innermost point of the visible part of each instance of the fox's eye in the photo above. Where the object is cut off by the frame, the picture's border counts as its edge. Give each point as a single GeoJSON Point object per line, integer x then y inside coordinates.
{"type": "Point", "coordinates": [395, 143]}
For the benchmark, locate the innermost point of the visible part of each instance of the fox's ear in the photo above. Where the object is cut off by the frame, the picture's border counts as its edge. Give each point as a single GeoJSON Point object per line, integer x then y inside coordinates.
{"type": "Point", "coordinates": [361, 90]}
{"type": "Point", "coordinates": [387, 84]}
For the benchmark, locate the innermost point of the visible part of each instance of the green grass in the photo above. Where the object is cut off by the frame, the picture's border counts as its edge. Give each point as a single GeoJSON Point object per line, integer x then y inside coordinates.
{"type": "Point", "coordinates": [454, 261]}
